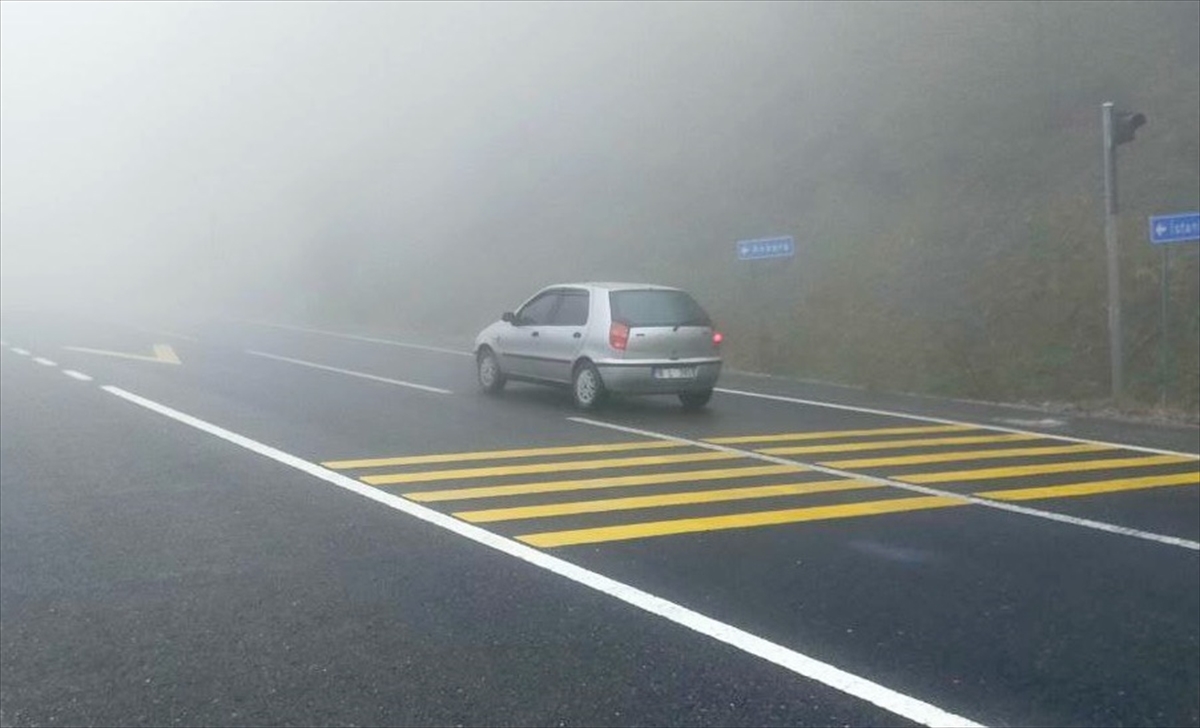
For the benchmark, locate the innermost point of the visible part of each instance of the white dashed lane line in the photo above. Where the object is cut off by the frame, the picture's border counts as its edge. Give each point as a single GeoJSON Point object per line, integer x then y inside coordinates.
{"type": "Point", "coordinates": [47, 362]}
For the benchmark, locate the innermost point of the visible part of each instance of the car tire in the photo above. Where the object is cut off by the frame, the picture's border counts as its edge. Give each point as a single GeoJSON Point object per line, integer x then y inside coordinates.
{"type": "Point", "coordinates": [695, 400]}
{"type": "Point", "coordinates": [491, 376]}
{"type": "Point", "coordinates": [587, 388]}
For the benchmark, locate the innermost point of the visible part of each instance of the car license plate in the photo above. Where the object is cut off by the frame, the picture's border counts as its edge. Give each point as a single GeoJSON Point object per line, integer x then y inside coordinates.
{"type": "Point", "coordinates": [675, 372]}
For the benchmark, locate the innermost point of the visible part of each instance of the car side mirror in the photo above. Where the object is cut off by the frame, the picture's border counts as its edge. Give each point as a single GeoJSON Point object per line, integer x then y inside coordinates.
{"type": "Point", "coordinates": [508, 317]}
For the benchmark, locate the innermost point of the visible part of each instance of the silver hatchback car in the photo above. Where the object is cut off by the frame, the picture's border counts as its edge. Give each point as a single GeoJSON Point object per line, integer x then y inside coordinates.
{"type": "Point", "coordinates": [624, 338]}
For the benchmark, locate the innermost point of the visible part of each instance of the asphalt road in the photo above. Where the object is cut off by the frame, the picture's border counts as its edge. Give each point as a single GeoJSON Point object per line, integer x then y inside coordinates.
{"type": "Point", "coordinates": [261, 525]}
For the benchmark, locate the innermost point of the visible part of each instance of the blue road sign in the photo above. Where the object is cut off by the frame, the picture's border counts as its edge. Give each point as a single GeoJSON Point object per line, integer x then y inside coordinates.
{"type": "Point", "coordinates": [1183, 227]}
{"type": "Point", "coordinates": [784, 247]}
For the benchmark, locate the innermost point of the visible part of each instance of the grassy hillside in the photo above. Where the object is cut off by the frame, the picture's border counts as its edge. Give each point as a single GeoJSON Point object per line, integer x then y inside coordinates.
{"type": "Point", "coordinates": [954, 242]}
{"type": "Point", "coordinates": [939, 165]}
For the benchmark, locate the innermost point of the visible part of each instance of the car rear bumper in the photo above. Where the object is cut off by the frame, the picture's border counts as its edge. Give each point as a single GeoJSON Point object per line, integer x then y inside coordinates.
{"type": "Point", "coordinates": [625, 377]}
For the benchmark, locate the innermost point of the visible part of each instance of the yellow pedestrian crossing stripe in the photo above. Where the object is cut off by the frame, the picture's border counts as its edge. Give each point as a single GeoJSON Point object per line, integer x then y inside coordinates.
{"type": "Point", "coordinates": [836, 434]}
{"type": "Point", "coordinates": [613, 506]}
{"type": "Point", "coordinates": [466, 473]}
{"type": "Point", "coordinates": [1100, 486]}
{"type": "Point", "coordinates": [458, 457]}
{"type": "Point", "coordinates": [558, 486]}
{"type": "Point", "coordinates": [671, 499]}
{"type": "Point", "coordinates": [739, 520]}
{"type": "Point", "coordinates": [893, 444]}
{"type": "Point", "coordinates": [951, 457]}
{"type": "Point", "coordinates": [1044, 469]}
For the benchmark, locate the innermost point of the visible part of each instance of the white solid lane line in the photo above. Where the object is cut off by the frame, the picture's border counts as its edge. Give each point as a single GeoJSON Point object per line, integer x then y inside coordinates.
{"type": "Point", "coordinates": [803, 665]}
{"type": "Point", "coordinates": [77, 375]}
{"type": "Point", "coordinates": [350, 373]}
{"type": "Point", "coordinates": [44, 361]}
{"type": "Point", "coordinates": [369, 339]}
{"type": "Point", "coordinates": [925, 490]}
{"type": "Point", "coordinates": [942, 421]}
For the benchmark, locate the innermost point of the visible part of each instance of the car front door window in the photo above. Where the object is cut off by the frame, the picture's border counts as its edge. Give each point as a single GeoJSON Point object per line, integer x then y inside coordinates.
{"type": "Point", "coordinates": [537, 312]}
{"type": "Point", "coordinates": [525, 350]}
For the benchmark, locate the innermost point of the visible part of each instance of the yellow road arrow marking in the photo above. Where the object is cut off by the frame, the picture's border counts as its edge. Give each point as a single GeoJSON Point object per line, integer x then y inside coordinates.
{"type": "Point", "coordinates": [163, 354]}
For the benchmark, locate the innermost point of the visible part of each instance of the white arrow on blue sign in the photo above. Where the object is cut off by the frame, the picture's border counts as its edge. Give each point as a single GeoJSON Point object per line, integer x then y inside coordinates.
{"type": "Point", "coordinates": [782, 247]}
{"type": "Point", "coordinates": [1180, 228]}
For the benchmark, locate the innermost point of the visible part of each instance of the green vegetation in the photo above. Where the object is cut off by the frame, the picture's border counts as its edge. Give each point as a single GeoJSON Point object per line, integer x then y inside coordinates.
{"type": "Point", "coordinates": [952, 238]}
{"type": "Point", "coordinates": [982, 272]}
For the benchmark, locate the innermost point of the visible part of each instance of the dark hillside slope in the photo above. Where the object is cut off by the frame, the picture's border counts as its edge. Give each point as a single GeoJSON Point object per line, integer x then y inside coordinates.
{"type": "Point", "coordinates": [939, 165]}
{"type": "Point", "coordinates": [952, 230]}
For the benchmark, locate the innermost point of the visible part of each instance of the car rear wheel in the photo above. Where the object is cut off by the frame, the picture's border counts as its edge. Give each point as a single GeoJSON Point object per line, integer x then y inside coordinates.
{"type": "Point", "coordinates": [587, 387]}
{"type": "Point", "coordinates": [695, 400]}
{"type": "Point", "coordinates": [491, 378]}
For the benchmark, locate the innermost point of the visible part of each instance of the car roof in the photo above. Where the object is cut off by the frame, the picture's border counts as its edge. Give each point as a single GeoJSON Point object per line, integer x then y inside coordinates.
{"type": "Point", "coordinates": [614, 286]}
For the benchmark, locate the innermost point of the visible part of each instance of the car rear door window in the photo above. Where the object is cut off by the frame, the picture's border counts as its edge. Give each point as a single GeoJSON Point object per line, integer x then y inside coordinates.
{"type": "Point", "coordinates": [657, 308]}
{"type": "Point", "coordinates": [573, 310]}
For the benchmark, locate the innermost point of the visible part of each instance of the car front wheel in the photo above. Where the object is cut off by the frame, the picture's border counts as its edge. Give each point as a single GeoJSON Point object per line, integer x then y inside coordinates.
{"type": "Point", "coordinates": [587, 387]}
{"type": "Point", "coordinates": [491, 378]}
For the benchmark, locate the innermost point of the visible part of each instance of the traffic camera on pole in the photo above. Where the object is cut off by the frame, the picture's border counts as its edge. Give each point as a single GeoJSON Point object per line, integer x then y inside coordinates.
{"type": "Point", "coordinates": [1124, 125]}
{"type": "Point", "coordinates": [1118, 128]}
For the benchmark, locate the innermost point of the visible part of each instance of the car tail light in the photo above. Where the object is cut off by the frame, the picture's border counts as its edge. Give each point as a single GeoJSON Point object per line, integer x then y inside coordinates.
{"type": "Point", "coordinates": [618, 336]}
{"type": "Point", "coordinates": [718, 337]}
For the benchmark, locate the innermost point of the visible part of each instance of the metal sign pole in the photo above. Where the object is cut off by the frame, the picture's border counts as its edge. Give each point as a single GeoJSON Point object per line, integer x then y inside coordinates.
{"type": "Point", "coordinates": [1164, 349]}
{"type": "Point", "coordinates": [1110, 243]}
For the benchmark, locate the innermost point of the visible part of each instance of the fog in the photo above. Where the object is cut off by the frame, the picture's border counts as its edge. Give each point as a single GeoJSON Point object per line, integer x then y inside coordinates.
{"type": "Point", "coordinates": [267, 155]}
{"type": "Point", "coordinates": [427, 165]}
{"type": "Point", "coordinates": [257, 154]}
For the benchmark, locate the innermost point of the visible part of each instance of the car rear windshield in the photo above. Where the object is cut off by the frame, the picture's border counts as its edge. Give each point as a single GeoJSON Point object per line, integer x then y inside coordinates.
{"type": "Point", "coordinates": [656, 308]}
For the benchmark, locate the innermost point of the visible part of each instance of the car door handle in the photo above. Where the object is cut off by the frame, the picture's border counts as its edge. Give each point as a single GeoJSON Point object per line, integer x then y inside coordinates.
{"type": "Point", "coordinates": [577, 335]}
{"type": "Point", "coordinates": [534, 333]}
